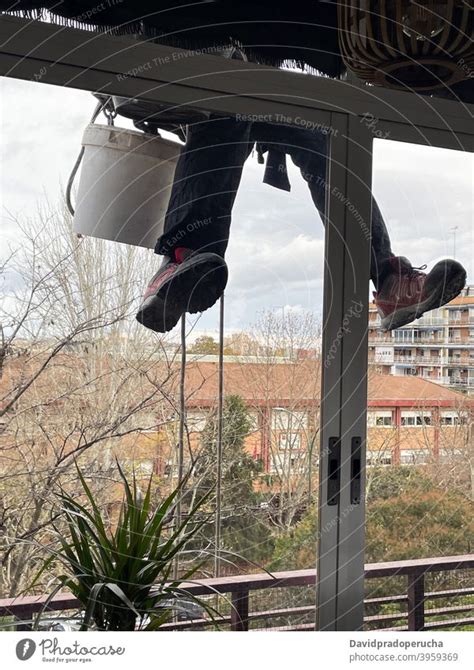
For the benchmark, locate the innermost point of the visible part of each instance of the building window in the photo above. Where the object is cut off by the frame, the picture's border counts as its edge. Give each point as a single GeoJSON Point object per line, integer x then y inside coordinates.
{"type": "Point", "coordinates": [196, 421]}
{"type": "Point", "coordinates": [416, 418]}
{"type": "Point", "coordinates": [414, 456]}
{"type": "Point", "coordinates": [403, 336]}
{"type": "Point", "coordinates": [282, 419]}
{"type": "Point", "coordinates": [453, 419]}
{"type": "Point", "coordinates": [288, 463]}
{"type": "Point", "coordinates": [380, 418]}
{"type": "Point", "coordinates": [288, 441]}
{"type": "Point", "coordinates": [382, 458]}
{"type": "Point", "coordinates": [449, 455]}
{"type": "Point", "coordinates": [403, 353]}
{"type": "Point", "coordinates": [383, 355]}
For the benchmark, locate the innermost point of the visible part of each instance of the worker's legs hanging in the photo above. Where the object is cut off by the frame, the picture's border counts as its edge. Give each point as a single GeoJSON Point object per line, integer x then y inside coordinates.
{"type": "Point", "coordinates": [197, 225]}
{"type": "Point", "coordinates": [193, 273]}
{"type": "Point", "coordinates": [403, 292]}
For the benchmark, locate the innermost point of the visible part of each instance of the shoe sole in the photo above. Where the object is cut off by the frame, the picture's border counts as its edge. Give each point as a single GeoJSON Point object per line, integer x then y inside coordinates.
{"type": "Point", "coordinates": [193, 288]}
{"type": "Point", "coordinates": [408, 314]}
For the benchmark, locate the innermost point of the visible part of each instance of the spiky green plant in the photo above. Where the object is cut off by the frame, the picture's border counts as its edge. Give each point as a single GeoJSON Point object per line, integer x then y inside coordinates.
{"type": "Point", "coordinates": [123, 576]}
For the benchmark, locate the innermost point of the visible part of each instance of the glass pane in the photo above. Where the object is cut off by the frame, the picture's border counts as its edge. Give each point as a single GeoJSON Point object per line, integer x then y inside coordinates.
{"type": "Point", "coordinates": [111, 391]}
{"type": "Point", "coordinates": [417, 506]}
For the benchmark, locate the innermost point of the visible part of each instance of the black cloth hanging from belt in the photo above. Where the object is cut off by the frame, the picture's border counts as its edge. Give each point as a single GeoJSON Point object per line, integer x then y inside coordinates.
{"type": "Point", "coordinates": [276, 172]}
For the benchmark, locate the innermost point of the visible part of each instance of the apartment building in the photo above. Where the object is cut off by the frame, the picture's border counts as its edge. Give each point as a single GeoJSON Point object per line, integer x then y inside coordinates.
{"type": "Point", "coordinates": [411, 421]}
{"type": "Point", "coordinates": [438, 347]}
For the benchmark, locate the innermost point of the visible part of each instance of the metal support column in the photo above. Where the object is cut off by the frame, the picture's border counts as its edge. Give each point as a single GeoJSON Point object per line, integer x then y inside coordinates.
{"type": "Point", "coordinates": [340, 578]}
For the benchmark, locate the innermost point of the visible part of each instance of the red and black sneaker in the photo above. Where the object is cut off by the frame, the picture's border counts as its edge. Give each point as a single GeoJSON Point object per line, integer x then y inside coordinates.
{"type": "Point", "coordinates": [406, 293]}
{"type": "Point", "coordinates": [188, 282]}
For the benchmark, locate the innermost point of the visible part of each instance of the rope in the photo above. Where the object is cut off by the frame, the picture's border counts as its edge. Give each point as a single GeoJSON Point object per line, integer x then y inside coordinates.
{"type": "Point", "coordinates": [220, 411]}
{"type": "Point", "coordinates": [182, 428]}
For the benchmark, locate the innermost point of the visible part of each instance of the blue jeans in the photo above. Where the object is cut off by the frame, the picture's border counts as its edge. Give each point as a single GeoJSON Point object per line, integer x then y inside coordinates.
{"type": "Point", "coordinates": [208, 175]}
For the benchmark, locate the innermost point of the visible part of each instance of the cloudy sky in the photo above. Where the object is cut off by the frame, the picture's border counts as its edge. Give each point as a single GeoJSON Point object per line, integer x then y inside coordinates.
{"type": "Point", "coordinates": [276, 250]}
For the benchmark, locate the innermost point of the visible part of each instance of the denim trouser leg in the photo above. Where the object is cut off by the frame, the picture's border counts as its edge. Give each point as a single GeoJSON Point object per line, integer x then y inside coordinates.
{"type": "Point", "coordinates": [208, 175]}
{"type": "Point", "coordinates": [308, 150]}
{"type": "Point", "coordinates": [205, 185]}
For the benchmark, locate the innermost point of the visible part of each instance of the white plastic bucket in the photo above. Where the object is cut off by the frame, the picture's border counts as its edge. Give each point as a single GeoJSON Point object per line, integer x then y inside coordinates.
{"type": "Point", "coordinates": [125, 185]}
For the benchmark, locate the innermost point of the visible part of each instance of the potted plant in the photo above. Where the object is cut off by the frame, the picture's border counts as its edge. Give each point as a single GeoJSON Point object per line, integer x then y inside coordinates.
{"type": "Point", "coordinates": [122, 575]}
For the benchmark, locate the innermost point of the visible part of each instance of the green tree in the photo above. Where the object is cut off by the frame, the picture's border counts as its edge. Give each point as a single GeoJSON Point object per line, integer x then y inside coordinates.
{"type": "Point", "coordinates": [418, 521]}
{"type": "Point", "coordinates": [296, 549]}
{"type": "Point", "coordinates": [243, 528]}
{"type": "Point", "coordinates": [408, 516]}
{"type": "Point", "coordinates": [386, 483]}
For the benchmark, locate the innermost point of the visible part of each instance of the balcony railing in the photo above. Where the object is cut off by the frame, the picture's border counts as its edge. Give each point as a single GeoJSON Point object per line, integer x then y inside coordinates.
{"type": "Point", "coordinates": [412, 342]}
{"type": "Point", "coordinates": [456, 381]}
{"type": "Point", "coordinates": [412, 610]}
{"type": "Point", "coordinates": [441, 360]}
{"type": "Point", "coordinates": [428, 322]}
{"type": "Point", "coordinates": [421, 360]}
{"type": "Point", "coordinates": [381, 339]}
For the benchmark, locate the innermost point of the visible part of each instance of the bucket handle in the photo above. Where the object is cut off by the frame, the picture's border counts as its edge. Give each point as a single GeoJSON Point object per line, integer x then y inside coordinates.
{"type": "Point", "coordinates": [104, 106]}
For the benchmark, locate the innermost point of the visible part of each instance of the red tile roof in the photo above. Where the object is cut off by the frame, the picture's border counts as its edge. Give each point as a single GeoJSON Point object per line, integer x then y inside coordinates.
{"type": "Point", "coordinates": [299, 382]}
{"type": "Point", "coordinates": [462, 300]}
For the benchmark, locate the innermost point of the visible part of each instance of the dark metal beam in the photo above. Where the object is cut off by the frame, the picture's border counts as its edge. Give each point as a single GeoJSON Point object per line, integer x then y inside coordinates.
{"type": "Point", "coordinates": [99, 62]}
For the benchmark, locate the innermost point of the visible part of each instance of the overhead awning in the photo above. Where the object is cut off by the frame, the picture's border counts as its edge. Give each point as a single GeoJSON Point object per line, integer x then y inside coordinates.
{"type": "Point", "coordinates": [273, 32]}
